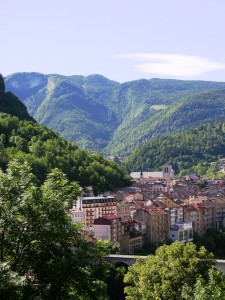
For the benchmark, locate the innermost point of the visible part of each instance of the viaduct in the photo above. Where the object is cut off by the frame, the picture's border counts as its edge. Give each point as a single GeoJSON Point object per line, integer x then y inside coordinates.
{"type": "Point", "coordinates": [128, 260]}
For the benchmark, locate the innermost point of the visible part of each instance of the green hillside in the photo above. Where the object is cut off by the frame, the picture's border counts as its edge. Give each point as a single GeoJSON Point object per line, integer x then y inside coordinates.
{"type": "Point", "coordinates": [24, 139]}
{"type": "Point", "coordinates": [76, 116]}
{"type": "Point", "coordinates": [103, 115]}
{"type": "Point", "coordinates": [45, 150]}
{"type": "Point", "coordinates": [10, 104]}
{"type": "Point", "coordinates": [69, 106]}
{"type": "Point", "coordinates": [184, 114]}
{"type": "Point", "coordinates": [190, 151]}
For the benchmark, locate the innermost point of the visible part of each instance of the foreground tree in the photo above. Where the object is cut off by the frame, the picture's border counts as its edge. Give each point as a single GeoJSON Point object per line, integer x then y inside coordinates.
{"type": "Point", "coordinates": [211, 289]}
{"type": "Point", "coordinates": [42, 249]}
{"type": "Point", "coordinates": [164, 275]}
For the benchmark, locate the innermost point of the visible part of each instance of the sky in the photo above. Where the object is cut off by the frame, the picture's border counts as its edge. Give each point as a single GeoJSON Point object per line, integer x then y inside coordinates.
{"type": "Point", "coordinates": [122, 40]}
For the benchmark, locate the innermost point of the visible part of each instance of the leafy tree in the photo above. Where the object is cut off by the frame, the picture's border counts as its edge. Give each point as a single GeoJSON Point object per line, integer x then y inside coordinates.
{"type": "Point", "coordinates": [163, 276]}
{"type": "Point", "coordinates": [213, 288]}
{"type": "Point", "coordinates": [38, 241]}
{"type": "Point", "coordinates": [213, 241]}
{"type": "Point", "coordinates": [115, 284]}
{"type": "Point", "coordinates": [11, 284]}
{"type": "Point", "coordinates": [190, 151]}
{"type": "Point", "coordinates": [46, 150]}
{"type": "Point", "coordinates": [201, 184]}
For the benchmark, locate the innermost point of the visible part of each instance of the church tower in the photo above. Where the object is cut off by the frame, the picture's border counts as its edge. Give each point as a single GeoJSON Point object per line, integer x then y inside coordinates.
{"type": "Point", "coordinates": [168, 172]}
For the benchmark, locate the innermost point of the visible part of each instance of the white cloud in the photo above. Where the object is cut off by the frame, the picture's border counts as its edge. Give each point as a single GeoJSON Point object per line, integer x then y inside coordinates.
{"type": "Point", "coordinates": [173, 65]}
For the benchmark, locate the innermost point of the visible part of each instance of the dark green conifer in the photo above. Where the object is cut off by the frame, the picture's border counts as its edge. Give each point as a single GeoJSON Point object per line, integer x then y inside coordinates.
{"type": "Point", "coordinates": [2, 84]}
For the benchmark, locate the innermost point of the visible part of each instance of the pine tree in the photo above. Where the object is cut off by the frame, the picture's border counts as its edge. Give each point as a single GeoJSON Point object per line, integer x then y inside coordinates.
{"type": "Point", "coordinates": [2, 84]}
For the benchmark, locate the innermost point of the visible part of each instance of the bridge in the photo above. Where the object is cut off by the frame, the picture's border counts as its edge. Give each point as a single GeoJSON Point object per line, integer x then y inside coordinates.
{"type": "Point", "coordinates": [128, 260]}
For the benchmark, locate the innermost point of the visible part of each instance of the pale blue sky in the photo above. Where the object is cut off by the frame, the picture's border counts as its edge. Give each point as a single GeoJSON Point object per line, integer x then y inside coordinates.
{"type": "Point", "coordinates": [121, 39]}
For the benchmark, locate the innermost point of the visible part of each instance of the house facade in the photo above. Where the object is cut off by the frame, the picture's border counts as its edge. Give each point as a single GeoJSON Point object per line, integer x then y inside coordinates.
{"type": "Point", "coordinates": [96, 207]}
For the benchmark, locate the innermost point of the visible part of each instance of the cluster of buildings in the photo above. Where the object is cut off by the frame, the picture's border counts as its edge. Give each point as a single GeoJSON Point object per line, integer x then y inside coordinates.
{"type": "Point", "coordinates": [157, 208]}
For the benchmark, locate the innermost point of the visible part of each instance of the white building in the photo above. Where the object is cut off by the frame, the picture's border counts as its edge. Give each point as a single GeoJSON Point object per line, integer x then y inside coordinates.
{"type": "Point", "coordinates": [76, 214]}
{"type": "Point", "coordinates": [167, 174]}
{"type": "Point", "coordinates": [182, 232]}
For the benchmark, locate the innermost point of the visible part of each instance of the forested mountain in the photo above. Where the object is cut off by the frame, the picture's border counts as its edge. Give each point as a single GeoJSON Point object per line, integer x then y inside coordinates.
{"type": "Point", "coordinates": [189, 151]}
{"type": "Point", "coordinates": [104, 115]}
{"type": "Point", "coordinates": [178, 116]}
{"type": "Point", "coordinates": [24, 139]}
{"type": "Point", "coordinates": [10, 104]}
{"type": "Point", "coordinates": [45, 150]}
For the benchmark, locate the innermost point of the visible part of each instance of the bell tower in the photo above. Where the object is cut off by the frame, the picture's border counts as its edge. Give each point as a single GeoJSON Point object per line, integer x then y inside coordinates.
{"type": "Point", "coordinates": [168, 172]}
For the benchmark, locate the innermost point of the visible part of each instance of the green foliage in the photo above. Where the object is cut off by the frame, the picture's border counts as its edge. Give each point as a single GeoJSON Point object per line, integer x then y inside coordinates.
{"type": "Point", "coordinates": [213, 288]}
{"type": "Point", "coordinates": [201, 184]}
{"type": "Point", "coordinates": [2, 85]}
{"type": "Point", "coordinates": [213, 241]}
{"type": "Point", "coordinates": [10, 104]}
{"type": "Point", "coordinates": [164, 275]}
{"type": "Point", "coordinates": [11, 284]}
{"type": "Point", "coordinates": [69, 105]}
{"type": "Point", "coordinates": [190, 151]}
{"type": "Point", "coordinates": [45, 150]}
{"type": "Point", "coordinates": [102, 115]}
{"type": "Point", "coordinates": [115, 284]}
{"type": "Point", "coordinates": [42, 253]}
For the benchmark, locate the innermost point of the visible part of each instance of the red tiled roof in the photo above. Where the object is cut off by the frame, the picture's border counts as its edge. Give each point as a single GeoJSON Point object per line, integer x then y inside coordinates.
{"type": "Point", "coordinates": [106, 220]}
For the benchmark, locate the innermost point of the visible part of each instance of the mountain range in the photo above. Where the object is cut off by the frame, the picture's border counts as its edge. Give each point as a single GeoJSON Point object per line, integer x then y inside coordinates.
{"type": "Point", "coordinates": [23, 139]}
{"type": "Point", "coordinates": [102, 115]}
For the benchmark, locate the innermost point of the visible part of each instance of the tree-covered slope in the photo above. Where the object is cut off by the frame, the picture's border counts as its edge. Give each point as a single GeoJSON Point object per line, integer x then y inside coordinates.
{"type": "Point", "coordinates": [76, 116]}
{"type": "Point", "coordinates": [10, 104]}
{"type": "Point", "coordinates": [188, 151]}
{"type": "Point", "coordinates": [45, 150]}
{"type": "Point", "coordinates": [69, 106]}
{"type": "Point", "coordinates": [103, 115]}
{"type": "Point", "coordinates": [181, 115]}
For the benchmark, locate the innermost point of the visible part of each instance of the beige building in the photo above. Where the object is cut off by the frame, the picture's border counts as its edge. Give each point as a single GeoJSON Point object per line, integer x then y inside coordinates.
{"type": "Point", "coordinates": [96, 207]}
{"type": "Point", "coordinates": [133, 236]}
{"type": "Point", "coordinates": [178, 229]}
{"type": "Point", "coordinates": [201, 216]}
{"type": "Point", "coordinates": [123, 211]}
{"type": "Point", "coordinates": [130, 244]}
{"type": "Point", "coordinates": [219, 212]}
{"type": "Point", "coordinates": [76, 214]}
{"type": "Point", "coordinates": [157, 223]}
{"type": "Point", "coordinates": [159, 186]}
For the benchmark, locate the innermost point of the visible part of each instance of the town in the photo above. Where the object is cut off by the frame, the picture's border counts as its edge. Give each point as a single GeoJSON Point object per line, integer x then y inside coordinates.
{"type": "Point", "coordinates": [157, 208]}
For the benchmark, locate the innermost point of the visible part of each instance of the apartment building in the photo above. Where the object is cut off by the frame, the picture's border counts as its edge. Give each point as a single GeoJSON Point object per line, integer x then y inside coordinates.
{"type": "Point", "coordinates": [133, 236]}
{"type": "Point", "coordinates": [219, 213]}
{"type": "Point", "coordinates": [201, 215]}
{"type": "Point", "coordinates": [157, 223]}
{"type": "Point", "coordinates": [182, 232]}
{"type": "Point", "coordinates": [96, 207]}
{"type": "Point", "coordinates": [123, 211]}
{"type": "Point", "coordinates": [131, 243]}
{"type": "Point", "coordinates": [108, 228]}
